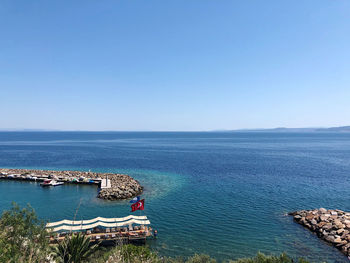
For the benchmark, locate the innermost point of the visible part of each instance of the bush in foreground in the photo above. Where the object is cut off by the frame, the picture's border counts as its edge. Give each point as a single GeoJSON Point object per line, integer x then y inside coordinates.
{"type": "Point", "coordinates": [261, 258]}
{"type": "Point", "coordinates": [22, 236]}
{"type": "Point", "coordinates": [74, 249]}
{"type": "Point", "coordinates": [135, 254]}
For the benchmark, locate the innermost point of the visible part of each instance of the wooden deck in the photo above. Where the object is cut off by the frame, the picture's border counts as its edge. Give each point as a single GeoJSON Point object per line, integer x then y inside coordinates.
{"type": "Point", "coordinates": [119, 237]}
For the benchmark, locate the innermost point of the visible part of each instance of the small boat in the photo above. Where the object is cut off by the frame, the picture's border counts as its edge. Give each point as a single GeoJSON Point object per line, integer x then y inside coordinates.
{"type": "Point", "coordinates": [50, 182]}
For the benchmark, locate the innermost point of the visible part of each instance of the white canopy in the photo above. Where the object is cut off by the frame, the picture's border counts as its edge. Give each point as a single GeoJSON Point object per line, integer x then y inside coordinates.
{"type": "Point", "coordinates": [69, 225]}
{"type": "Point", "coordinates": [82, 222]}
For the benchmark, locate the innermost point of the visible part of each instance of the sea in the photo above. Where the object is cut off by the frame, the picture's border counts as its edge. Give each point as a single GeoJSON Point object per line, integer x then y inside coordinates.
{"type": "Point", "coordinates": [225, 194]}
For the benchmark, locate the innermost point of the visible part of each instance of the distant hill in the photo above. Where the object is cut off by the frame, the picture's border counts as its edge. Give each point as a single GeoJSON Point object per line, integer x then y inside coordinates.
{"type": "Point", "coordinates": [283, 129]}
{"type": "Point", "coordinates": [338, 129]}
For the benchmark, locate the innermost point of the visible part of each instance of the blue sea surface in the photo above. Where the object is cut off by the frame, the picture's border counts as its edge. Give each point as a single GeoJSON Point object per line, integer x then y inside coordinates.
{"type": "Point", "coordinates": [220, 193]}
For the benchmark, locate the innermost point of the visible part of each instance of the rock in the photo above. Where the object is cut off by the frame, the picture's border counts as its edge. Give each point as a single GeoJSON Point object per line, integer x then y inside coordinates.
{"type": "Point", "coordinates": [344, 249]}
{"type": "Point", "coordinates": [307, 225]}
{"type": "Point", "coordinates": [340, 231]}
{"type": "Point", "coordinates": [340, 226]}
{"type": "Point", "coordinates": [309, 216]}
{"type": "Point", "coordinates": [313, 222]}
{"type": "Point", "coordinates": [345, 233]}
{"type": "Point", "coordinates": [337, 240]}
{"type": "Point", "coordinates": [321, 224]}
{"type": "Point", "coordinates": [330, 225]}
{"type": "Point", "coordinates": [297, 217]}
{"type": "Point", "coordinates": [325, 233]}
{"type": "Point", "coordinates": [336, 221]}
{"type": "Point", "coordinates": [323, 217]}
{"type": "Point", "coordinates": [330, 238]}
{"type": "Point", "coordinates": [322, 210]}
{"type": "Point", "coordinates": [340, 212]}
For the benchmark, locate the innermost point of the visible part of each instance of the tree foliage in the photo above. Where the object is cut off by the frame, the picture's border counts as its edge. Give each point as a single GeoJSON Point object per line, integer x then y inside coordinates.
{"type": "Point", "coordinates": [22, 236]}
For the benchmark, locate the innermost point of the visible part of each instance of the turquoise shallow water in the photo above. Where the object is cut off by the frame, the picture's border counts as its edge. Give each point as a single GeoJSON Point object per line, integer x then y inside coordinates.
{"type": "Point", "coordinates": [224, 194]}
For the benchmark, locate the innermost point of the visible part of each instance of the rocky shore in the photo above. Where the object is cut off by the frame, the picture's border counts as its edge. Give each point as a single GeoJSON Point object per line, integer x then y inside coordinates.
{"type": "Point", "coordinates": [122, 186]}
{"type": "Point", "coordinates": [333, 226]}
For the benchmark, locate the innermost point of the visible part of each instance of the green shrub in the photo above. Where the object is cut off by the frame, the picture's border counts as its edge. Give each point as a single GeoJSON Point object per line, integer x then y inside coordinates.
{"type": "Point", "coordinates": [261, 258]}
{"type": "Point", "coordinates": [132, 254]}
{"type": "Point", "coordinates": [22, 236]}
{"type": "Point", "coordinates": [201, 259]}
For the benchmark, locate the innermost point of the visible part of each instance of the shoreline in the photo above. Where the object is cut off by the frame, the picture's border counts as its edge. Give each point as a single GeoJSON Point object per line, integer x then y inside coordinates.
{"type": "Point", "coordinates": [333, 226]}
{"type": "Point", "coordinates": [117, 186]}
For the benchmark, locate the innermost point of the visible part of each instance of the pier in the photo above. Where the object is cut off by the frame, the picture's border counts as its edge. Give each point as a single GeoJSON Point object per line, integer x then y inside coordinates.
{"type": "Point", "coordinates": [41, 178]}
{"type": "Point", "coordinates": [110, 186]}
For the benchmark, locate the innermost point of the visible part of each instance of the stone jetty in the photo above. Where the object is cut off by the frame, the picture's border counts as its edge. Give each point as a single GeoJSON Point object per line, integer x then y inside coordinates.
{"type": "Point", "coordinates": [333, 226]}
{"type": "Point", "coordinates": [122, 186]}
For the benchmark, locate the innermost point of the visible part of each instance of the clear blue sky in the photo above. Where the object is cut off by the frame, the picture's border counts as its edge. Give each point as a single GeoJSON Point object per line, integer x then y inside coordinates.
{"type": "Point", "coordinates": [174, 65]}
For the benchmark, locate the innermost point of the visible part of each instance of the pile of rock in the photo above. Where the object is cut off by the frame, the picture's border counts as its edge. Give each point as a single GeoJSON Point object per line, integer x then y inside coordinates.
{"type": "Point", "coordinates": [122, 186]}
{"type": "Point", "coordinates": [331, 225]}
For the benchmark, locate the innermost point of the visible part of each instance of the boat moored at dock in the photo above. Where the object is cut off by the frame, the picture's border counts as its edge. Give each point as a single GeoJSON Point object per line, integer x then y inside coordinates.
{"type": "Point", "coordinates": [50, 182]}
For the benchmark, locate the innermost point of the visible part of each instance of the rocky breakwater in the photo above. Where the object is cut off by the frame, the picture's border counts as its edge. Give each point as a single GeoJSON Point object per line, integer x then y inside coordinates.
{"type": "Point", "coordinates": [122, 186]}
{"type": "Point", "coordinates": [333, 226]}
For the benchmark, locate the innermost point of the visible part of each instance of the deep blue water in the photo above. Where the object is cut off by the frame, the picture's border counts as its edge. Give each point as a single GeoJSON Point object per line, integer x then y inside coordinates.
{"type": "Point", "coordinates": [224, 194]}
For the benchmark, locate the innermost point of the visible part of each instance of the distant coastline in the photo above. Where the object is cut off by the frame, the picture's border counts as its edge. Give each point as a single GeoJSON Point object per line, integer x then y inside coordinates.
{"type": "Point", "coordinates": [344, 129]}
{"type": "Point", "coordinates": [283, 129]}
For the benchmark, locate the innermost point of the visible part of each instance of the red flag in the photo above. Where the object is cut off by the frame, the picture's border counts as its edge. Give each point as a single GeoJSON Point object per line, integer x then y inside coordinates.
{"type": "Point", "coordinates": [140, 205]}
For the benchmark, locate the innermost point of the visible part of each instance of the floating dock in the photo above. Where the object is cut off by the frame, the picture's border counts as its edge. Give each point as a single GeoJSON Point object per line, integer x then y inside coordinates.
{"type": "Point", "coordinates": [130, 229]}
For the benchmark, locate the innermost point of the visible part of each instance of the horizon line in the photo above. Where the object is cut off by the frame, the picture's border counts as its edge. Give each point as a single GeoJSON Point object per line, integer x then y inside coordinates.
{"type": "Point", "coordinates": [214, 130]}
